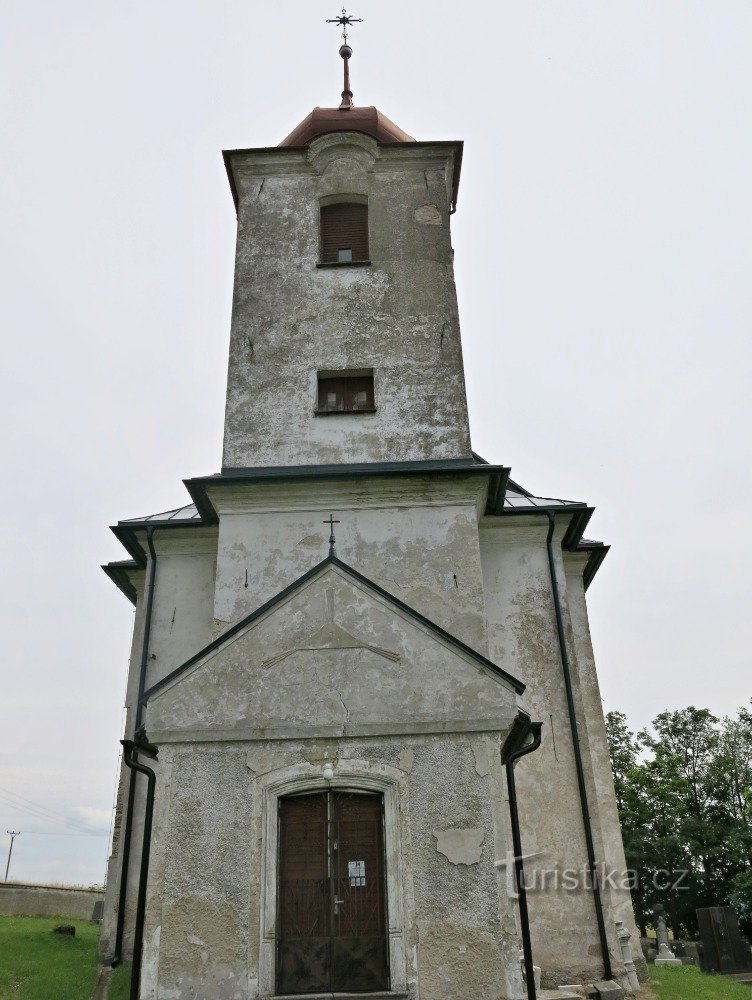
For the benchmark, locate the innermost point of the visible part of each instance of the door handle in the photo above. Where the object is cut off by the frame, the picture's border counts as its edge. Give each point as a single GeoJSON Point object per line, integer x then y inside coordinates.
{"type": "Point", "coordinates": [337, 904]}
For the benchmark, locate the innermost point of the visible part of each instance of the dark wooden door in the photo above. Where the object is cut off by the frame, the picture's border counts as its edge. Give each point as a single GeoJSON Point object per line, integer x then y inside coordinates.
{"type": "Point", "coordinates": [332, 902]}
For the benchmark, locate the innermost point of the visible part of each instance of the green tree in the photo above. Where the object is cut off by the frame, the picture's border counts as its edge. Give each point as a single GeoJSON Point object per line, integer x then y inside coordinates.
{"type": "Point", "coordinates": [684, 792]}
{"type": "Point", "coordinates": [634, 808]}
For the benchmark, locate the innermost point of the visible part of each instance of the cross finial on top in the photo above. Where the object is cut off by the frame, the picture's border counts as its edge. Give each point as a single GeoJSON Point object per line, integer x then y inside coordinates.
{"type": "Point", "coordinates": [345, 21]}
{"type": "Point", "coordinates": [331, 522]}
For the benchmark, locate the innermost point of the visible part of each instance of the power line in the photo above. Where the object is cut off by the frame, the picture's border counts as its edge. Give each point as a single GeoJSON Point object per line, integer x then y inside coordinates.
{"type": "Point", "coordinates": [30, 802]}
{"type": "Point", "coordinates": [29, 810]}
{"type": "Point", "coordinates": [56, 833]}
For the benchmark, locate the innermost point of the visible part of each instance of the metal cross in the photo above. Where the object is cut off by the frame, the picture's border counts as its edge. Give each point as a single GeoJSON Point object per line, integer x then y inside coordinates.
{"type": "Point", "coordinates": [345, 21]}
{"type": "Point", "coordinates": [331, 522]}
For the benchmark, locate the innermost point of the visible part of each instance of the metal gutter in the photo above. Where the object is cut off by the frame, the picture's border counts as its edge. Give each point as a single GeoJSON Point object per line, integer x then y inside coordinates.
{"type": "Point", "coordinates": [579, 515]}
{"type": "Point", "coordinates": [584, 807]}
{"type": "Point", "coordinates": [598, 552]}
{"type": "Point", "coordinates": [130, 749]}
{"type": "Point", "coordinates": [119, 573]}
{"type": "Point", "coordinates": [521, 749]}
{"type": "Point", "coordinates": [128, 828]}
{"type": "Point", "coordinates": [125, 532]}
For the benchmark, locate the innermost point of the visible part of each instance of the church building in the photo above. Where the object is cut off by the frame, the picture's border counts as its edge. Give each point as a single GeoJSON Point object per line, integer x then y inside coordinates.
{"type": "Point", "coordinates": [365, 746]}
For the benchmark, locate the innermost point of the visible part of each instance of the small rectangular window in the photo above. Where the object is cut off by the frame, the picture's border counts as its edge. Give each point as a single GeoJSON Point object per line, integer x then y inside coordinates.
{"type": "Point", "coordinates": [344, 233]}
{"type": "Point", "coordinates": [345, 394]}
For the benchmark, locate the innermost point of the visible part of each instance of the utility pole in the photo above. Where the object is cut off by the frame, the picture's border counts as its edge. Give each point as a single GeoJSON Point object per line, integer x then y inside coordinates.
{"type": "Point", "coordinates": [13, 834]}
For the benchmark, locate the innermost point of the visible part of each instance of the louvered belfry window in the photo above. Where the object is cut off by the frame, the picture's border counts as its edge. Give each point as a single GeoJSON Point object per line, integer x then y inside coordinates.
{"type": "Point", "coordinates": [344, 233]}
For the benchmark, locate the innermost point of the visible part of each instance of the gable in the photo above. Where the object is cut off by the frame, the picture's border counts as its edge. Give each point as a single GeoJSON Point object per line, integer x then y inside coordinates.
{"type": "Point", "coordinates": [332, 656]}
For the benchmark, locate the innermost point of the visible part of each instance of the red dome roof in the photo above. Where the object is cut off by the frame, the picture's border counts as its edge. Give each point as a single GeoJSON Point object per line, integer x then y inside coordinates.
{"type": "Point", "coordinates": [369, 121]}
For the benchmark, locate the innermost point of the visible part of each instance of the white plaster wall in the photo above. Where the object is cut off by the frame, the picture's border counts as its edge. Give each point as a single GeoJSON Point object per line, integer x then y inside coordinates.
{"type": "Point", "coordinates": [596, 758]}
{"type": "Point", "coordinates": [417, 539]}
{"type": "Point", "coordinates": [523, 640]}
{"type": "Point", "coordinates": [182, 622]}
{"type": "Point", "coordinates": [183, 616]}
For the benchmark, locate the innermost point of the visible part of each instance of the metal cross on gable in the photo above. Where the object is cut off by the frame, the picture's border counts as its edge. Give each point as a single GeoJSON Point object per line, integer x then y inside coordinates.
{"type": "Point", "coordinates": [331, 522]}
{"type": "Point", "coordinates": [345, 21]}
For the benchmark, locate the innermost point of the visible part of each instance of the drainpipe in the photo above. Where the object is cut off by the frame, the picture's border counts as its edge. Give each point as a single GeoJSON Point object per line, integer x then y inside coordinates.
{"type": "Point", "coordinates": [584, 808]}
{"type": "Point", "coordinates": [130, 748]}
{"type": "Point", "coordinates": [128, 828]}
{"type": "Point", "coordinates": [533, 728]}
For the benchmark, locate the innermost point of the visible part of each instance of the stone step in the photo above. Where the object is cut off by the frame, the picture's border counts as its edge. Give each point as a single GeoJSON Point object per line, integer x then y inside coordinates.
{"type": "Point", "coordinates": [561, 994]}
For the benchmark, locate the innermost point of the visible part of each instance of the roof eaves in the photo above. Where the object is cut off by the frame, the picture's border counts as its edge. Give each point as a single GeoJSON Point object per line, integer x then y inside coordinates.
{"type": "Point", "coordinates": [119, 573]}
{"type": "Point", "coordinates": [576, 529]}
{"type": "Point", "coordinates": [598, 552]}
{"type": "Point", "coordinates": [497, 489]}
{"type": "Point", "coordinates": [127, 538]}
{"type": "Point", "coordinates": [198, 486]}
{"type": "Point", "coordinates": [125, 532]}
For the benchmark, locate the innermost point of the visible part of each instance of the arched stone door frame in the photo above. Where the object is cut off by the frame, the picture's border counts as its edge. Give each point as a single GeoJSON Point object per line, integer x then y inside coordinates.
{"type": "Point", "coordinates": [357, 775]}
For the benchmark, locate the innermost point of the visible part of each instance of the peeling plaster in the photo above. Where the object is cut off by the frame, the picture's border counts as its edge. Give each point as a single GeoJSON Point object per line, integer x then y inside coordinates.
{"type": "Point", "coordinates": [460, 846]}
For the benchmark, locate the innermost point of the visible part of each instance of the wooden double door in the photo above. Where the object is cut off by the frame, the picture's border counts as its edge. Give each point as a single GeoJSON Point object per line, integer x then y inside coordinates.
{"type": "Point", "coordinates": [331, 908]}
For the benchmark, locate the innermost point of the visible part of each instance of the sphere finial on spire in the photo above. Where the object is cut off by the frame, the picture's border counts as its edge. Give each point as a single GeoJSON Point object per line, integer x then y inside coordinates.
{"type": "Point", "coordinates": [345, 21]}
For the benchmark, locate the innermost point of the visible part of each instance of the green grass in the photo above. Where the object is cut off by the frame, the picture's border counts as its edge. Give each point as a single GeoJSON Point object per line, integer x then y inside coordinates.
{"type": "Point", "coordinates": [688, 983]}
{"type": "Point", "coordinates": [120, 984]}
{"type": "Point", "coordinates": [36, 964]}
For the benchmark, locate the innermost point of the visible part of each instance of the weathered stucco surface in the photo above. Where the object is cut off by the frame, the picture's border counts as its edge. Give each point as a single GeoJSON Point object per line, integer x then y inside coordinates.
{"type": "Point", "coordinates": [291, 318]}
{"type": "Point", "coordinates": [523, 638]}
{"type": "Point", "coordinates": [205, 906]}
{"type": "Point", "coordinates": [418, 539]}
{"type": "Point", "coordinates": [311, 665]}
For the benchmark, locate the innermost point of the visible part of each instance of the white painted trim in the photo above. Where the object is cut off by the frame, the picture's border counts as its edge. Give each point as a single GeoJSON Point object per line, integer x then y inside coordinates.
{"type": "Point", "coordinates": [355, 774]}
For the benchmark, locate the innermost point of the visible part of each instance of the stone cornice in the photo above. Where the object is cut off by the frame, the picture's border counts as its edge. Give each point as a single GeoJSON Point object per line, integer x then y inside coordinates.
{"type": "Point", "coordinates": [417, 491]}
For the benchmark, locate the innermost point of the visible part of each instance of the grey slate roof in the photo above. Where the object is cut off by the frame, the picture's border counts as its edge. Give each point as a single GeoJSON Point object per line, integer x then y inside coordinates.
{"type": "Point", "coordinates": [520, 501]}
{"type": "Point", "coordinates": [514, 500]}
{"type": "Point", "coordinates": [187, 513]}
{"type": "Point", "coordinates": [504, 497]}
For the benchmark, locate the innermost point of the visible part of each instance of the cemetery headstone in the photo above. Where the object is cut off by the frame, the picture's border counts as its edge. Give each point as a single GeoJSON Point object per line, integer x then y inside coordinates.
{"type": "Point", "coordinates": [665, 955]}
{"type": "Point", "coordinates": [724, 948]}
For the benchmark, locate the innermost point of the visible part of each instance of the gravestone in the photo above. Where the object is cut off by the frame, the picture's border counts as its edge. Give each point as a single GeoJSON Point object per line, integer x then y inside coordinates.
{"type": "Point", "coordinates": [665, 955]}
{"type": "Point", "coordinates": [724, 948]}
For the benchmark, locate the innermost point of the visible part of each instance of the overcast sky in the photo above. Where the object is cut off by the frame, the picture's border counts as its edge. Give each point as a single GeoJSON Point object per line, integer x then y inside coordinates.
{"type": "Point", "coordinates": [603, 267]}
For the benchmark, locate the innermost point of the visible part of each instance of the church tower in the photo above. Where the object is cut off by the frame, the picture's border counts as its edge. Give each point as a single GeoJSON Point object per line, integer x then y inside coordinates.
{"type": "Point", "coordinates": [345, 342]}
{"type": "Point", "coordinates": [342, 643]}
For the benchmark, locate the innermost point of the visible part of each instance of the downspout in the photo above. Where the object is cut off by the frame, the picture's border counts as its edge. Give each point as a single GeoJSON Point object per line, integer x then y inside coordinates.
{"type": "Point", "coordinates": [533, 728]}
{"type": "Point", "coordinates": [585, 809]}
{"type": "Point", "coordinates": [128, 829]}
{"type": "Point", "coordinates": [130, 748]}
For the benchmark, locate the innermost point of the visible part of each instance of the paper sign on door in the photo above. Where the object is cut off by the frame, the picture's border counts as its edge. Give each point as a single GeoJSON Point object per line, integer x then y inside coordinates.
{"type": "Point", "coordinates": [357, 872]}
